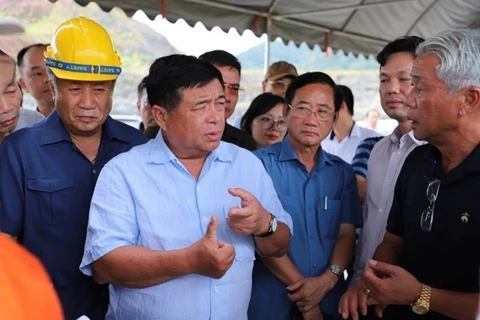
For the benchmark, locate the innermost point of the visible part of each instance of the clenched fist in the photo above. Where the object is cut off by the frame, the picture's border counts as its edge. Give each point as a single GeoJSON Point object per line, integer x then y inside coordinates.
{"type": "Point", "coordinates": [212, 258]}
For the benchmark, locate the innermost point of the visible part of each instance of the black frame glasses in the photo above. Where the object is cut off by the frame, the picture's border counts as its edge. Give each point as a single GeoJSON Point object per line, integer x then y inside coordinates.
{"type": "Point", "coordinates": [426, 220]}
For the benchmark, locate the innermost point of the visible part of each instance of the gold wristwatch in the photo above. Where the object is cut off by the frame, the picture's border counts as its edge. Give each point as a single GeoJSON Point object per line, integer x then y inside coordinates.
{"type": "Point", "coordinates": [422, 305]}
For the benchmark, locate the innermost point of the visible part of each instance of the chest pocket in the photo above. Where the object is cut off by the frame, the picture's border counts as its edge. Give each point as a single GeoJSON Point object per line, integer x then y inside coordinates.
{"type": "Point", "coordinates": [329, 217]}
{"type": "Point", "coordinates": [49, 198]}
{"type": "Point", "coordinates": [244, 245]}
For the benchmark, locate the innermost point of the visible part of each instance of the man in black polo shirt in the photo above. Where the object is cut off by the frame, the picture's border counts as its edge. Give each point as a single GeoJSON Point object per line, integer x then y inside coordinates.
{"type": "Point", "coordinates": [230, 68]}
{"type": "Point", "coordinates": [431, 251]}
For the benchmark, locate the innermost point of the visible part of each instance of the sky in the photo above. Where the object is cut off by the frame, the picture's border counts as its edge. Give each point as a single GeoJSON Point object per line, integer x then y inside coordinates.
{"type": "Point", "coordinates": [197, 40]}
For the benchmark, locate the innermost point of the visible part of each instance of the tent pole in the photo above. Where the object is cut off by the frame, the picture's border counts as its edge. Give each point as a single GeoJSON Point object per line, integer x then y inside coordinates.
{"type": "Point", "coordinates": [266, 58]}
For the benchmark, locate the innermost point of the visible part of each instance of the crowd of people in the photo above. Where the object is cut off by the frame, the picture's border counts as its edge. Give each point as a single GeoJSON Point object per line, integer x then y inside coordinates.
{"type": "Point", "coordinates": [294, 212]}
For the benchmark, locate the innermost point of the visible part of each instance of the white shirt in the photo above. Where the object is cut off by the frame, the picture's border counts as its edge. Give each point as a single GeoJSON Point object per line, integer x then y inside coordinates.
{"type": "Point", "coordinates": [27, 117]}
{"type": "Point", "coordinates": [346, 148]}
{"type": "Point", "coordinates": [384, 166]}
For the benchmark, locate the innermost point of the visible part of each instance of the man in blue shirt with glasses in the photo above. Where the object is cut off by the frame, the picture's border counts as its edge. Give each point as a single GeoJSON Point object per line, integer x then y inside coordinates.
{"type": "Point", "coordinates": [319, 191]}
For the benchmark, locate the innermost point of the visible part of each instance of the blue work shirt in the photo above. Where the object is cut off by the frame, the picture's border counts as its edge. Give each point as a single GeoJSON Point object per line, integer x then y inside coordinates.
{"type": "Point", "coordinates": [46, 185]}
{"type": "Point", "coordinates": [147, 198]}
{"type": "Point", "coordinates": [318, 203]}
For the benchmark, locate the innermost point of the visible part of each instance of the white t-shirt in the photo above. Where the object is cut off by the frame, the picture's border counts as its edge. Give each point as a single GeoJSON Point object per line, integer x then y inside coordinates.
{"type": "Point", "coordinates": [347, 147]}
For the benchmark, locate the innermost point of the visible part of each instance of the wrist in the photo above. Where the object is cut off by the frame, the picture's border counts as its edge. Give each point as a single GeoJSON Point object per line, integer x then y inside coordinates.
{"type": "Point", "coordinates": [190, 259]}
{"type": "Point", "coordinates": [266, 224]}
{"type": "Point", "coordinates": [416, 293]}
{"type": "Point", "coordinates": [331, 277]}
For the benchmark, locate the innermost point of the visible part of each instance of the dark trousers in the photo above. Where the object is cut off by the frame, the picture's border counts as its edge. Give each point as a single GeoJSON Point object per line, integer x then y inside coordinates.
{"type": "Point", "coordinates": [297, 315]}
{"type": "Point", "coordinates": [371, 315]}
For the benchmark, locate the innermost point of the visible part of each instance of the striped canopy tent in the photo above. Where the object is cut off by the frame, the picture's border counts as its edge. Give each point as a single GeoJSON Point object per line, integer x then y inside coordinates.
{"type": "Point", "coordinates": [357, 26]}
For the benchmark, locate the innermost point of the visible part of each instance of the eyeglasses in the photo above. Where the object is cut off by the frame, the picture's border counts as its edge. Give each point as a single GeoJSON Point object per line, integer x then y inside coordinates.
{"type": "Point", "coordinates": [302, 111]}
{"type": "Point", "coordinates": [234, 89]}
{"type": "Point", "coordinates": [279, 85]}
{"type": "Point", "coordinates": [268, 123]}
{"type": "Point", "coordinates": [426, 220]}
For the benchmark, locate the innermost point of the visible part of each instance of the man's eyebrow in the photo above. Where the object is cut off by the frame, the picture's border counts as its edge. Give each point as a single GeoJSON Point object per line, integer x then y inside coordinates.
{"type": "Point", "coordinates": [202, 100]}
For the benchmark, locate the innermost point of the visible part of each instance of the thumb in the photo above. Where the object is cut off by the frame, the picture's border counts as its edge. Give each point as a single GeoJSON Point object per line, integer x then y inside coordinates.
{"type": "Point", "coordinates": [212, 229]}
{"type": "Point", "coordinates": [383, 267]}
{"type": "Point", "coordinates": [244, 195]}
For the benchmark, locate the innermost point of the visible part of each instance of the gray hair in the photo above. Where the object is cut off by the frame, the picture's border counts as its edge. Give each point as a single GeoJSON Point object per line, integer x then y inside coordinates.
{"type": "Point", "coordinates": [53, 79]}
{"type": "Point", "coordinates": [459, 54]}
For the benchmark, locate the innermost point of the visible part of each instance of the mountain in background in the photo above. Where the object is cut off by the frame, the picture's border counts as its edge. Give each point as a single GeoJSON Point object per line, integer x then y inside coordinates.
{"type": "Point", "coordinates": [305, 58]}
{"type": "Point", "coordinates": [137, 44]}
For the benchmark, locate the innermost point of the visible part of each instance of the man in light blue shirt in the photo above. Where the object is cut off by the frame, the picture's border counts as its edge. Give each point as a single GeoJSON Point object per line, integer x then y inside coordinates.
{"type": "Point", "coordinates": [319, 190]}
{"type": "Point", "coordinates": [174, 224]}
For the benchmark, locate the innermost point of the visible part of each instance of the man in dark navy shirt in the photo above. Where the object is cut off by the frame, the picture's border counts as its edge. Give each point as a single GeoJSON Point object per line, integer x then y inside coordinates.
{"type": "Point", "coordinates": [48, 171]}
{"type": "Point", "coordinates": [430, 253]}
{"type": "Point", "coordinates": [230, 68]}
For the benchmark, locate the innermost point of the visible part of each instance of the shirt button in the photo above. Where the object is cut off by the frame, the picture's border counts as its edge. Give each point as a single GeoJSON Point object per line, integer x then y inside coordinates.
{"type": "Point", "coordinates": [94, 171]}
{"type": "Point", "coordinates": [381, 210]}
{"type": "Point", "coordinates": [204, 219]}
{"type": "Point", "coordinates": [312, 237]}
{"type": "Point", "coordinates": [314, 266]}
{"type": "Point", "coordinates": [215, 289]}
{"type": "Point", "coordinates": [388, 180]}
{"type": "Point", "coordinates": [309, 209]}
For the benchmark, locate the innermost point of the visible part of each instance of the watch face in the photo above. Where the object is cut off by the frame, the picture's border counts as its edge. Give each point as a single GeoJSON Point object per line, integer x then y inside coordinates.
{"type": "Point", "coordinates": [419, 309]}
{"type": "Point", "coordinates": [274, 224]}
{"type": "Point", "coordinates": [335, 269]}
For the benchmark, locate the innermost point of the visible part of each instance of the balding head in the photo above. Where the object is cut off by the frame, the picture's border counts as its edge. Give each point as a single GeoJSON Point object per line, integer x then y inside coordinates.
{"type": "Point", "coordinates": [10, 96]}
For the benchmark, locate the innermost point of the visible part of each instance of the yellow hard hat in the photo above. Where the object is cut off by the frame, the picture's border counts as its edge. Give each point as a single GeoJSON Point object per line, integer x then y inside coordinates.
{"type": "Point", "coordinates": [82, 50]}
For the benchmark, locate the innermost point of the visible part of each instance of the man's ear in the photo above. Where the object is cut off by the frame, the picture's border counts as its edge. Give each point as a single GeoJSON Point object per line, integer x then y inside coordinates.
{"type": "Point", "coordinates": [264, 85]}
{"type": "Point", "coordinates": [470, 101]}
{"type": "Point", "coordinates": [52, 88]}
{"type": "Point", "coordinates": [21, 82]}
{"type": "Point", "coordinates": [160, 115]}
{"type": "Point", "coordinates": [138, 106]}
{"type": "Point", "coordinates": [285, 111]}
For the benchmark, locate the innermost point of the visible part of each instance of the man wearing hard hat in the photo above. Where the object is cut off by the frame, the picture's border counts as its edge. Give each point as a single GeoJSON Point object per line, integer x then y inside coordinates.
{"type": "Point", "coordinates": [48, 171]}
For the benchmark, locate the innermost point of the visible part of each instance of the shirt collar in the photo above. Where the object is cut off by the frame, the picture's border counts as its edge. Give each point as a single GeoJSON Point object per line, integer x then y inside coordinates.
{"type": "Point", "coordinates": [395, 137]}
{"type": "Point", "coordinates": [160, 153]}
{"type": "Point", "coordinates": [287, 153]}
{"type": "Point", "coordinates": [470, 164]}
{"type": "Point", "coordinates": [54, 130]}
{"type": "Point", "coordinates": [354, 132]}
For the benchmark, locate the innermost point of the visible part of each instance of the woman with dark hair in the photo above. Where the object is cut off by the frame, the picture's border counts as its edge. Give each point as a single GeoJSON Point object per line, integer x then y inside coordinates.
{"type": "Point", "coordinates": [265, 120]}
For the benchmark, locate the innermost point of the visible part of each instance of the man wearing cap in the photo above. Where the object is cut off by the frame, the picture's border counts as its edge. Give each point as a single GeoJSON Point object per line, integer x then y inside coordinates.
{"type": "Point", "coordinates": [48, 171]}
{"type": "Point", "coordinates": [278, 77]}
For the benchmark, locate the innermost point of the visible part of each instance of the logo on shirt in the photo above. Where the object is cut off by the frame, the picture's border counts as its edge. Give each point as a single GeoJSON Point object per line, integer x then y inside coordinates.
{"type": "Point", "coordinates": [464, 217]}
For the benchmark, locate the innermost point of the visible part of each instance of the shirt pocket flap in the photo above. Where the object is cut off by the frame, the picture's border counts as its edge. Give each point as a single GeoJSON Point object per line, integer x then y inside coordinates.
{"type": "Point", "coordinates": [49, 184]}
